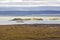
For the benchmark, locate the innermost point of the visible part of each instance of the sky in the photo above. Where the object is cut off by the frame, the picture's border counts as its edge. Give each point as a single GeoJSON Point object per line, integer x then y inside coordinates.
{"type": "Point", "coordinates": [28, 3]}
{"type": "Point", "coordinates": [42, 8]}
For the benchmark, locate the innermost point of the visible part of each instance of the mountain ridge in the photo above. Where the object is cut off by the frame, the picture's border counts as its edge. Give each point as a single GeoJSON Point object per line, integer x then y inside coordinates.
{"type": "Point", "coordinates": [22, 13]}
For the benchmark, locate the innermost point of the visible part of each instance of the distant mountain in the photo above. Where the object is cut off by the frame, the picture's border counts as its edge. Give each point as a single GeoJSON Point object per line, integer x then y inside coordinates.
{"type": "Point", "coordinates": [28, 13]}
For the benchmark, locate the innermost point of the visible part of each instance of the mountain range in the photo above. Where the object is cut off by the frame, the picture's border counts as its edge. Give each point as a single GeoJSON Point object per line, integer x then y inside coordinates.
{"type": "Point", "coordinates": [30, 11]}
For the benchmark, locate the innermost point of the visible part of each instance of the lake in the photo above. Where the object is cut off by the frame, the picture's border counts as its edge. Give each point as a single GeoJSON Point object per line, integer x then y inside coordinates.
{"type": "Point", "coordinates": [6, 22]}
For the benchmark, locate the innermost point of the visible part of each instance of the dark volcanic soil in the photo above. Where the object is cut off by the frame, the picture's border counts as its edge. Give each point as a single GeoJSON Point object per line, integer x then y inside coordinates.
{"type": "Point", "coordinates": [35, 25]}
{"type": "Point", "coordinates": [50, 39]}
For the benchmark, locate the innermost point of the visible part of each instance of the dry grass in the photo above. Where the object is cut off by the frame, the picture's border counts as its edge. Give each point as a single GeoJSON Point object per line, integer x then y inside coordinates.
{"type": "Point", "coordinates": [29, 32]}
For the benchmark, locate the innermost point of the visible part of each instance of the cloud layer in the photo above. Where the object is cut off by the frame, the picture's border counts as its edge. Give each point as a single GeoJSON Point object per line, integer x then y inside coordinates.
{"type": "Point", "coordinates": [28, 3]}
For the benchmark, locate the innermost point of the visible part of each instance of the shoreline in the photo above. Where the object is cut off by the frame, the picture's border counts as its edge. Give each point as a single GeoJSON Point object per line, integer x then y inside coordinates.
{"type": "Point", "coordinates": [38, 25]}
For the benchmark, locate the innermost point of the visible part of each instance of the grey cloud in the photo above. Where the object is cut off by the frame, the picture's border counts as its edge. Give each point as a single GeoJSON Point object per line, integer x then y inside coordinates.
{"type": "Point", "coordinates": [30, 8]}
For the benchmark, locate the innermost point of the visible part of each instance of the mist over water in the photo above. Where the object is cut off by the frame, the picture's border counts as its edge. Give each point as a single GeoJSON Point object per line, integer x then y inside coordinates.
{"type": "Point", "coordinates": [32, 11]}
{"type": "Point", "coordinates": [6, 22]}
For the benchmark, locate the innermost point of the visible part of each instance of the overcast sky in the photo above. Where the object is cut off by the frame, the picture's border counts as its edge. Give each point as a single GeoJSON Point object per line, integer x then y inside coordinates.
{"type": "Point", "coordinates": [29, 3]}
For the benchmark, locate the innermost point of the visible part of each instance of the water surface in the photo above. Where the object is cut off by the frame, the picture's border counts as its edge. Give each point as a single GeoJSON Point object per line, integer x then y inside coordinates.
{"type": "Point", "coordinates": [6, 22]}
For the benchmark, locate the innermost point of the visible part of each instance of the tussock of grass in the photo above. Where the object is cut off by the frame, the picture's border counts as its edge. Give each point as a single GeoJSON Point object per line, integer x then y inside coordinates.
{"type": "Point", "coordinates": [24, 32]}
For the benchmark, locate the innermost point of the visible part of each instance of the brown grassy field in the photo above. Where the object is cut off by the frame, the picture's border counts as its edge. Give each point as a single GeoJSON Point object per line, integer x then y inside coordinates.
{"type": "Point", "coordinates": [30, 32]}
